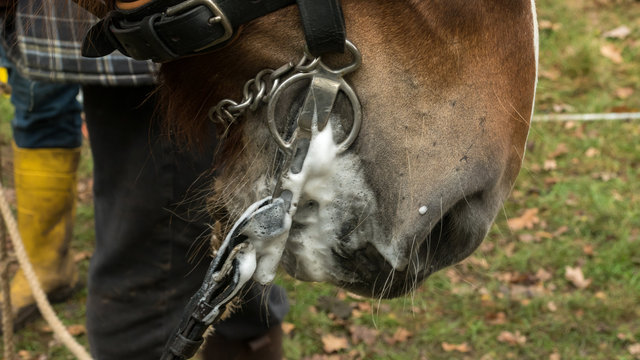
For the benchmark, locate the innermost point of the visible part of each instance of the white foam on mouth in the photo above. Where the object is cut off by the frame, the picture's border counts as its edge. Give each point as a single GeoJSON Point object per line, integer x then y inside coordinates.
{"type": "Point", "coordinates": [335, 182]}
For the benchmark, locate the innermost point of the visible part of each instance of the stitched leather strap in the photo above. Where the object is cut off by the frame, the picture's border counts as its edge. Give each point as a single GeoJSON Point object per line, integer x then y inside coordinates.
{"type": "Point", "coordinates": [154, 32]}
{"type": "Point", "coordinates": [323, 25]}
{"type": "Point", "coordinates": [163, 30]}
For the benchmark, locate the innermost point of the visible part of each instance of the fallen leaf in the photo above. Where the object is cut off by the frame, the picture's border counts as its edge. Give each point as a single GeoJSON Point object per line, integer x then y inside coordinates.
{"type": "Point", "coordinates": [634, 349]}
{"type": "Point", "coordinates": [548, 25]}
{"type": "Point", "coordinates": [287, 327]}
{"type": "Point", "coordinates": [82, 255]}
{"type": "Point", "coordinates": [46, 329]}
{"type": "Point", "coordinates": [591, 152]}
{"type": "Point", "coordinates": [620, 32]}
{"type": "Point", "coordinates": [561, 149]}
{"type": "Point", "coordinates": [24, 354]}
{"type": "Point", "coordinates": [552, 306]}
{"type": "Point", "coordinates": [624, 336]}
{"type": "Point", "coordinates": [551, 74]}
{"type": "Point", "coordinates": [401, 335]}
{"type": "Point", "coordinates": [496, 318]}
{"type": "Point", "coordinates": [600, 295]}
{"type": "Point", "coordinates": [588, 249]}
{"type": "Point", "coordinates": [527, 238]}
{"type": "Point", "coordinates": [76, 330]}
{"type": "Point", "coordinates": [364, 306]}
{"type": "Point", "coordinates": [363, 334]}
{"type": "Point", "coordinates": [525, 221]}
{"type": "Point", "coordinates": [576, 277]}
{"type": "Point", "coordinates": [624, 92]}
{"type": "Point", "coordinates": [512, 338]}
{"type": "Point", "coordinates": [550, 164]}
{"type": "Point", "coordinates": [612, 53]}
{"type": "Point", "coordinates": [463, 348]}
{"type": "Point", "coordinates": [554, 355]}
{"type": "Point", "coordinates": [561, 230]}
{"type": "Point", "coordinates": [332, 343]}
{"type": "Point", "coordinates": [543, 275]}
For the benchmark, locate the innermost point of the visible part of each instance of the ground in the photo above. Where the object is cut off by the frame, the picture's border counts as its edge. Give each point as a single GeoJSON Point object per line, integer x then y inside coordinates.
{"type": "Point", "coordinates": [558, 277]}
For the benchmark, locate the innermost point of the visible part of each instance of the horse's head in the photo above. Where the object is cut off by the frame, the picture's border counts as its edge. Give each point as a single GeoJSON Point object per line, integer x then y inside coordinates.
{"type": "Point", "coordinates": [446, 89]}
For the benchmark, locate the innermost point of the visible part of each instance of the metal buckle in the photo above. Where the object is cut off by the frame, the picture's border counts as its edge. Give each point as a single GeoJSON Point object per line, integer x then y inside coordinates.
{"type": "Point", "coordinates": [219, 17]}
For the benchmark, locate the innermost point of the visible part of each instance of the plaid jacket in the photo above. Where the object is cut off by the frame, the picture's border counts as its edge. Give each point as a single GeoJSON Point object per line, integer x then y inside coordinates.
{"type": "Point", "coordinates": [45, 44]}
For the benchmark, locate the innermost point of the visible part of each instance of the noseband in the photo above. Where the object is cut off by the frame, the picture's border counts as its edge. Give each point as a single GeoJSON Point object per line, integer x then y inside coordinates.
{"type": "Point", "coordinates": [165, 30]}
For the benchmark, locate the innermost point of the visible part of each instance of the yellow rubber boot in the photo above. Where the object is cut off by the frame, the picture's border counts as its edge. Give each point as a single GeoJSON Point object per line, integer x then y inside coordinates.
{"type": "Point", "coordinates": [45, 182]}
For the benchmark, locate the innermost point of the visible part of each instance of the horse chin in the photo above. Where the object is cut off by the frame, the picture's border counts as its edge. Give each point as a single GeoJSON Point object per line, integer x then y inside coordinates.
{"type": "Point", "coordinates": [359, 255]}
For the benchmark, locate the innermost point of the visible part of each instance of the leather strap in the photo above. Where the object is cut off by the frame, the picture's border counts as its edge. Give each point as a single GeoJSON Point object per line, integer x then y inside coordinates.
{"type": "Point", "coordinates": [323, 24]}
{"type": "Point", "coordinates": [164, 30]}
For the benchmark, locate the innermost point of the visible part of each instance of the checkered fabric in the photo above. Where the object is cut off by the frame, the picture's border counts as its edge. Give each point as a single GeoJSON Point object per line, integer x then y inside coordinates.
{"type": "Point", "coordinates": [45, 45]}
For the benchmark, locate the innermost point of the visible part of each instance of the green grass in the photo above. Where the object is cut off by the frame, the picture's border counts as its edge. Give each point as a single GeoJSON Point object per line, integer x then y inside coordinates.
{"type": "Point", "coordinates": [589, 217]}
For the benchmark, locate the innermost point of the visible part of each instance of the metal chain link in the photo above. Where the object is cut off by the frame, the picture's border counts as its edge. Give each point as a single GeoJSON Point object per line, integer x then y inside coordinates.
{"type": "Point", "coordinates": [257, 91]}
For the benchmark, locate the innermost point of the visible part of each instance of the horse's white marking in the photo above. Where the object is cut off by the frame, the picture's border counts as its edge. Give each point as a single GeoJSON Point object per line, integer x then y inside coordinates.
{"type": "Point", "coordinates": [422, 210]}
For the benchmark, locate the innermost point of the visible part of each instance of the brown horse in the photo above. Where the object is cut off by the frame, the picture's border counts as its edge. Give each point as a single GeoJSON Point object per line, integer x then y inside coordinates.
{"type": "Point", "coordinates": [447, 90]}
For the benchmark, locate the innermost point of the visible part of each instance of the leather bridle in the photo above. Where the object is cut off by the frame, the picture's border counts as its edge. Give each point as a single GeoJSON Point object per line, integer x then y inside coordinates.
{"type": "Point", "coordinates": [165, 30]}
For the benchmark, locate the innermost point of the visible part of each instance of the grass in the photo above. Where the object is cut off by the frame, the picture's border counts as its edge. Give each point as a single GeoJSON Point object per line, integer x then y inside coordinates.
{"type": "Point", "coordinates": [582, 178]}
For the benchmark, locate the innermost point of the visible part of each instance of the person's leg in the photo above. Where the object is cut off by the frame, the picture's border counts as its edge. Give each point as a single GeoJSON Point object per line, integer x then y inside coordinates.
{"type": "Point", "coordinates": [152, 229]}
{"type": "Point", "coordinates": [47, 136]}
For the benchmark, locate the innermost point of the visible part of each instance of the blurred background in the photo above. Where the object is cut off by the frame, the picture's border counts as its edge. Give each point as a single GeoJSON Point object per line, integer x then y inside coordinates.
{"type": "Point", "coordinates": [558, 276]}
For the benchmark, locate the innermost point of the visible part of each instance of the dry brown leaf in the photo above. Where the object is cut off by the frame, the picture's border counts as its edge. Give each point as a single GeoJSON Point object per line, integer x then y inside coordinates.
{"type": "Point", "coordinates": [525, 221]}
{"type": "Point", "coordinates": [612, 53]}
{"type": "Point", "coordinates": [543, 275]}
{"type": "Point", "coordinates": [634, 349]}
{"type": "Point", "coordinates": [588, 249]}
{"type": "Point", "coordinates": [332, 343]}
{"type": "Point", "coordinates": [554, 355]}
{"type": "Point", "coordinates": [552, 306]}
{"type": "Point", "coordinates": [364, 306]}
{"type": "Point", "coordinates": [287, 327]}
{"type": "Point", "coordinates": [363, 334]}
{"type": "Point", "coordinates": [512, 338]}
{"type": "Point", "coordinates": [624, 92]}
{"type": "Point", "coordinates": [24, 354]}
{"type": "Point", "coordinates": [82, 255]}
{"type": "Point", "coordinates": [620, 32]}
{"type": "Point", "coordinates": [551, 74]}
{"type": "Point", "coordinates": [576, 277]}
{"type": "Point", "coordinates": [548, 25]}
{"type": "Point", "coordinates": [77, 329]}
{"type": "Point", "coordinates": [463, 348]}
{"type": "Point", "coordinates": [496, 318]}
{"type": "Point", "coordinates": [401, 335]}
{"type": "Point", "coordinates": [600, 295]}
{"type": "Point", "coordinates": [550, 164]}
{"type": "Point", "coordinates": [527, 238]}
{"type": "Point", "coordinates": [591, 152]}
{"type": "Point", "coordinates": [561, 230]}
{"type": "Point", "coordinates": [561, 149]}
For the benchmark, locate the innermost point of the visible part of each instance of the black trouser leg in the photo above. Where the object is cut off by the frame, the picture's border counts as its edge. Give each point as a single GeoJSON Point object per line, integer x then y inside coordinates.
{"type": "Point", "coordinates": [150, 220]}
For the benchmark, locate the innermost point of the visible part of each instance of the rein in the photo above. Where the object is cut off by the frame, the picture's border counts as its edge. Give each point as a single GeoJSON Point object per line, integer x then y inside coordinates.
{"type": "Point", "coordinates": [164, 30]}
